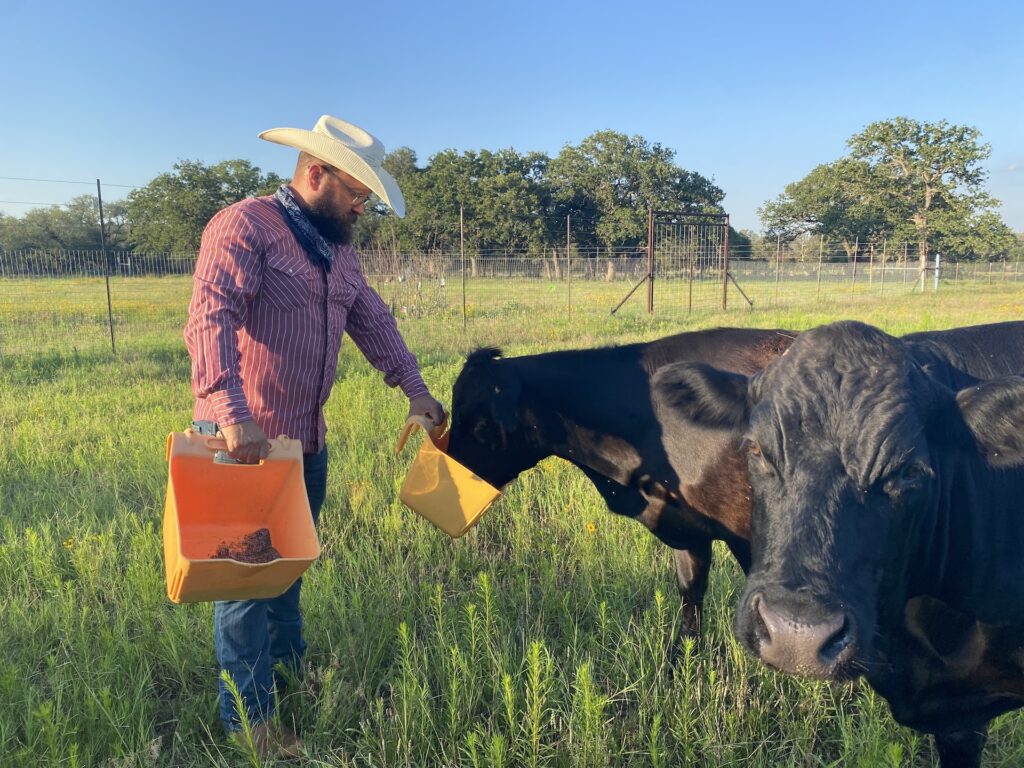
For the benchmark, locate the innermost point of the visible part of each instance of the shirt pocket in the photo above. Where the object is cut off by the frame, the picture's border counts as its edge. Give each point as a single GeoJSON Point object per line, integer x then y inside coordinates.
{"type": "Point", "coordinates": [343, 289]}
{"type": "Point", "coordinates": [286, 282]}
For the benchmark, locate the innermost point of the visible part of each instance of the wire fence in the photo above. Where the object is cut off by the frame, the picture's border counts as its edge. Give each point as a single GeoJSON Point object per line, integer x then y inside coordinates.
{"type": "Point", "coordinates": [68, 301]}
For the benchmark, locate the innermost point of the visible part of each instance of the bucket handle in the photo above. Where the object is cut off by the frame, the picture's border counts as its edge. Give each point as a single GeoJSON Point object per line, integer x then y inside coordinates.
{"type": "Point", "coordinates": [214, 443]}
{"type": "Point", "coordinates": [416, 420]}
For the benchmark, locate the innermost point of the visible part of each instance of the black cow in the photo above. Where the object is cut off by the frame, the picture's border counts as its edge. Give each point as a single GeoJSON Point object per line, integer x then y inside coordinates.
{"type": "Point", "coordinates": [686, 482]}
{"type": "Point", "coordinates": [594, 408]}
{"type": "Point", "coordinates": [888, 523]}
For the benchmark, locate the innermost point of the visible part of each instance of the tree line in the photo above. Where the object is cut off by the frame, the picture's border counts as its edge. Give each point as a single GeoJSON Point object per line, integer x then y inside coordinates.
{"type": "Point", "coordinates": [902, 179]}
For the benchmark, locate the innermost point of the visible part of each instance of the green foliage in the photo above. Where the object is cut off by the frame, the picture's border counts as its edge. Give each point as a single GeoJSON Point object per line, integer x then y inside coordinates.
{"type": "Point", "coordinates": [73, 226]}
{"type": "Point", "coordinates": [903, 179]}
{"type": "Point", "coordinates": [520, 201]}
{"type": "Point", "coordinates": [835, 200]}
{"type": "Point", "coordinates": [170, 213]}
{"type": "Point", "coordinates": [608, 183]}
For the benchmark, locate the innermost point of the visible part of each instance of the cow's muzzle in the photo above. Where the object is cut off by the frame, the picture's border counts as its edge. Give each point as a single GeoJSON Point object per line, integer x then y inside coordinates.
{"type": "Point", "coordinates": [810, 643]}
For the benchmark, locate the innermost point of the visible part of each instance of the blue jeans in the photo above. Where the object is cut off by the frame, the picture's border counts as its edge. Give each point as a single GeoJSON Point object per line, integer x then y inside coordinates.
{"type": "Point", "coordinates": [253, 636]}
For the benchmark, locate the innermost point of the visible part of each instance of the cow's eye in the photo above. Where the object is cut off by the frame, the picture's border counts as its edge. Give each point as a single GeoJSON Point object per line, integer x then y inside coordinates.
{"type": "Point", "coordinates": [909, 480]}
{"type": "Point", "coordinates": [757, 459]}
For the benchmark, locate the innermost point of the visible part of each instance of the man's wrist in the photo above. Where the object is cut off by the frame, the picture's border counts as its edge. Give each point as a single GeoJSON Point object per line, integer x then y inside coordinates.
{"type": "Point", "coordinates": [230, 406]}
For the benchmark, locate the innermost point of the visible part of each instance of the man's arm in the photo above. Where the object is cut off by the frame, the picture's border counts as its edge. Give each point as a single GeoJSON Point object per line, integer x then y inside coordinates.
{"type": "Point", "coordinates": [228, 275]}
{"type": "Point", "coordinates": [374, 330]}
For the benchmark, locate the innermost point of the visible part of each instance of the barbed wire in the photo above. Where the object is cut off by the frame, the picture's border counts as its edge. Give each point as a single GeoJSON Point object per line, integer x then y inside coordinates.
{"type": "Point", "coordinates": [68, 181]}
{"type": "Point", "coordinates": [26, 202]}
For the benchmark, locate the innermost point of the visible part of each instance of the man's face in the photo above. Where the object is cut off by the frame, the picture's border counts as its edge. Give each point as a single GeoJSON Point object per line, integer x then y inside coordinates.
{"type": "Point", "coordinates": [339, 202]}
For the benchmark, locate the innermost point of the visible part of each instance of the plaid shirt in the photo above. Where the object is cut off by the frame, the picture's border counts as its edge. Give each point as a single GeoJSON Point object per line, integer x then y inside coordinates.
{"type": "Point", "coordinates": [265, 326]}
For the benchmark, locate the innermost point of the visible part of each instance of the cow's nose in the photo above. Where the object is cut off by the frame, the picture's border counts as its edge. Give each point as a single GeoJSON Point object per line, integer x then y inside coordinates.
{"type": "Point", "coordinates": [811, 648]}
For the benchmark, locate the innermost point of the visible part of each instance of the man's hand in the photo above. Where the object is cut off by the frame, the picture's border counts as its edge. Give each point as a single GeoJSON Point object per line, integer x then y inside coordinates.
{"type": "Point", "coordinates": [246, 442]}
{"type": "Point", "coordinates": [426, 405]}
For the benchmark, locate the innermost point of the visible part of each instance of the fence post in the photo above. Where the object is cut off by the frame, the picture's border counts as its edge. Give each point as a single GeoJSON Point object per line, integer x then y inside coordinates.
{"type": "Point", "coordinates": [856, 251]}
{"type": "Point", "coordinates": [650, 260]}
{"type": "Point", "coordinates": [106, 268]}
{"type": "Point", "coordinates": [821, 251]}
{"type": "Point", "coordinates": [725, 266]}
{"type": "Point", "coordinates": [568, 261]}
{"type": "Point", "coordinates": [881, 290]}
{"type": "Point", "coordinates": [462, 252]}
{"type": "Point", "coordinates": [778, 265]}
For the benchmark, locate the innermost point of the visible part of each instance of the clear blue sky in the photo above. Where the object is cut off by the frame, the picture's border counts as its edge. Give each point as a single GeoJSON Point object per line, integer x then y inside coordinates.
{"type": "Point", "coordinates": [750, 94]}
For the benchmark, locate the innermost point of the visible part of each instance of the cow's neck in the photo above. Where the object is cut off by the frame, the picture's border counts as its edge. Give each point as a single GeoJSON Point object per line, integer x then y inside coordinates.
{"type": "Point", "coordinates": [611, 456]}
{"type": "Point", "coordinates": [589, 409]}
{"type": "Point", "coordinates": [972, 543]}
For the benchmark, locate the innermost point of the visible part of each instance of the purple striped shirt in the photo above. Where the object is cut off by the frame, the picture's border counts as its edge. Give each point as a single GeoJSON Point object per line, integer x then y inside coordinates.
{"type": "Point", "coordinates": [265, 326]}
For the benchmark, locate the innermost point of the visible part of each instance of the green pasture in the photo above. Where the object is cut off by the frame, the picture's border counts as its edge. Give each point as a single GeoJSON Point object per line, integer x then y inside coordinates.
{"type": "Point", "coordinates": [540, 638]}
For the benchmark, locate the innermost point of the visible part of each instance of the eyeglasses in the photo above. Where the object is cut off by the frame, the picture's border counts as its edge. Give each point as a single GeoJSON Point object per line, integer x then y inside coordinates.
{"type": "Point", "coordinates": [357, 199]}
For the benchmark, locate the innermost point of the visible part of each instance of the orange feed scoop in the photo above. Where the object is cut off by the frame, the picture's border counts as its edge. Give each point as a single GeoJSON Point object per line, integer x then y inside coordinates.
{"type": "Point", "coordinates": [439, 488]}
{"type": "Point", "coordinates": [211, 503]}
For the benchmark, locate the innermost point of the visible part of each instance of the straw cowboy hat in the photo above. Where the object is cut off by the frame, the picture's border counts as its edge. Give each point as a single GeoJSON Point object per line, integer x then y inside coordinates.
{"type": "Point", "coordinates": [348, 148]}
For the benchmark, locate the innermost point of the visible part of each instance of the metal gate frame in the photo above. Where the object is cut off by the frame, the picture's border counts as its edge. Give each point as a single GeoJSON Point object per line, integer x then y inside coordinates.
{"type": "Point", "coordinates": [683, 218]}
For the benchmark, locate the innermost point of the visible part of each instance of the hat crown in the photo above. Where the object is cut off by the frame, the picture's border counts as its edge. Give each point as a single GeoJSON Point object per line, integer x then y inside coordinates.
{"type": "Point", "coordinates": [364, 144]}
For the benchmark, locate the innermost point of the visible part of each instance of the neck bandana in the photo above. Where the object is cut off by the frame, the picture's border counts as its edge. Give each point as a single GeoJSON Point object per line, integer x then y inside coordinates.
{"type": "Point", "coordinates": [303, 229]}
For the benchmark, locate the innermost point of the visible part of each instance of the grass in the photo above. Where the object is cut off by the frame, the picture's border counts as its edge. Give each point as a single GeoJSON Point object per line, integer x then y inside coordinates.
{"type": "Point", "coordinates": [538, 639]}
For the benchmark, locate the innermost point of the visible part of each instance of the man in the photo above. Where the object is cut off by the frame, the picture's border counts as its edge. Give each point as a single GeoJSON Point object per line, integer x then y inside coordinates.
{"type": "Point", "coordinates": [276, 284]}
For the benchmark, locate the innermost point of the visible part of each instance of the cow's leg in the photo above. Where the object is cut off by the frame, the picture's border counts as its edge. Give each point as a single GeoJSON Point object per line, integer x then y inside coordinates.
{"type": "Point", "coordinates": [692, 568]}
{"type": "Point", "coordinates": [960, 749]}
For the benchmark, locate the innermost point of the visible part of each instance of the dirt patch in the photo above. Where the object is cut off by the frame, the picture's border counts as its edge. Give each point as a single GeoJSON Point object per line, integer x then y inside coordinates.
{"type": "Point", "coordinates": [254, 547]}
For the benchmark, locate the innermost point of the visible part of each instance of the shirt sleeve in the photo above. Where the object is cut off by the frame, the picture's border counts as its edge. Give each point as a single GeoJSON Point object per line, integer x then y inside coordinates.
{"type": "Point", "coordinates": [373, 329]}
{"type": "Point", "coordinates": [227, 278]}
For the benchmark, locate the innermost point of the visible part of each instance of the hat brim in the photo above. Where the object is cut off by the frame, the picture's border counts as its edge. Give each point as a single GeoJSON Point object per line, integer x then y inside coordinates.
{"type": "Point", "coordinates": [343, 158]}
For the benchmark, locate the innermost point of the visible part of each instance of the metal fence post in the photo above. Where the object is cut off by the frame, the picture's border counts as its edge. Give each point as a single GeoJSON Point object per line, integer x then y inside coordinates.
{"type": "Point", "coordinates": [568, 261]}
{"type": "Point", "coordinates": [881, 290]}
{"type": "Point", "coordinates": [821, 251]}
{"type": "Point", "coordinates": [778, 265]}
{"type": "Point", "coordinates": [106, 269]}
{"type": "Point", "coordinates": [725, 267]}
{"type": "Point", "coordinates": [650, 260]}
{"type": "Point", "coordinates": [856, 252]}
{"type": "Point", "coordinates": [462, 252]}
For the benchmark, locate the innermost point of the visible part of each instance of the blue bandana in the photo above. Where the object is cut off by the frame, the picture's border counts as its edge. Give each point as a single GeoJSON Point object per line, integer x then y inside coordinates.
{"type": "Point", "coordinates": [303, 228]}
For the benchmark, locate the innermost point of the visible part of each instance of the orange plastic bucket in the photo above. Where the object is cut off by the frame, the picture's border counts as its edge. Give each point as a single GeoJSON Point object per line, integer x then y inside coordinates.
{"type": "Point", "coordinates": [439, 488]}
{"type": "Point", "coordinates": [210, 503]}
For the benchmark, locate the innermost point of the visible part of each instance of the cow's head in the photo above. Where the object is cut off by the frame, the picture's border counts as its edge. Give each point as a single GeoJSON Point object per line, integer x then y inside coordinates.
{"type": "Point", "coordinates": [487, 431]}
{"type": "Point", "coordinates": [845, 434]}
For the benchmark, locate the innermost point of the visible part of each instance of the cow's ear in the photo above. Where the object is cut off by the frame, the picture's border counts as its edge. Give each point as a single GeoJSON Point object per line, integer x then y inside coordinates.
{"type": "Point", "coordinates": [994, 412]}
{"type": "Point", "coordinates": [704, 395]}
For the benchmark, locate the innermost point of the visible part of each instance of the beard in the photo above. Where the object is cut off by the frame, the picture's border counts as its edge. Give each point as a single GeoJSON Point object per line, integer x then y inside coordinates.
{"type": "Point", "coordinates": [335, 228]}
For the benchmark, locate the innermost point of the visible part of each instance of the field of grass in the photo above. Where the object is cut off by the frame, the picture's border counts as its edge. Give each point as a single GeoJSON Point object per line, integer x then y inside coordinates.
{"type": "Point", "coordinates": [538, 639]}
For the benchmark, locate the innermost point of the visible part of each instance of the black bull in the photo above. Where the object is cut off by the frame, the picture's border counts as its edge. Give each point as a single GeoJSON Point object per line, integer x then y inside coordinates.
{"type": "Point", "coordinates": [686, 482]}
{"type": "Point", "coordinates": [887, 523]}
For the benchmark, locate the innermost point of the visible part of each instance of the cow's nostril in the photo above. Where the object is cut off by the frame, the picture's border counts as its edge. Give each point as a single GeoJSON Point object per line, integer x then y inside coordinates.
{"type": "Point", "coordinates": [762, 632]}
{"type": "Point", "coordinates": [837, 646]}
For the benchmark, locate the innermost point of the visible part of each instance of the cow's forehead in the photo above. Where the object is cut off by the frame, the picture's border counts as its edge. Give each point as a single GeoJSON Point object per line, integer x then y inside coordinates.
{"type": "Point", "coordinates": [845, 360]}
{"type": "Point", "coordinates": [845, 389]}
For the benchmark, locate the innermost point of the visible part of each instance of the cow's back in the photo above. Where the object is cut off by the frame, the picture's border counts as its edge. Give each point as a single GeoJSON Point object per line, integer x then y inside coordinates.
{"type": "Point", "coordinates": [979, 351]}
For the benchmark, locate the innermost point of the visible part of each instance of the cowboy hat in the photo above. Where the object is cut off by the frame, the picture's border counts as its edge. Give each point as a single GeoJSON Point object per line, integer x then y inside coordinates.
{"type": "Point", "coordinates": [348, 148]}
